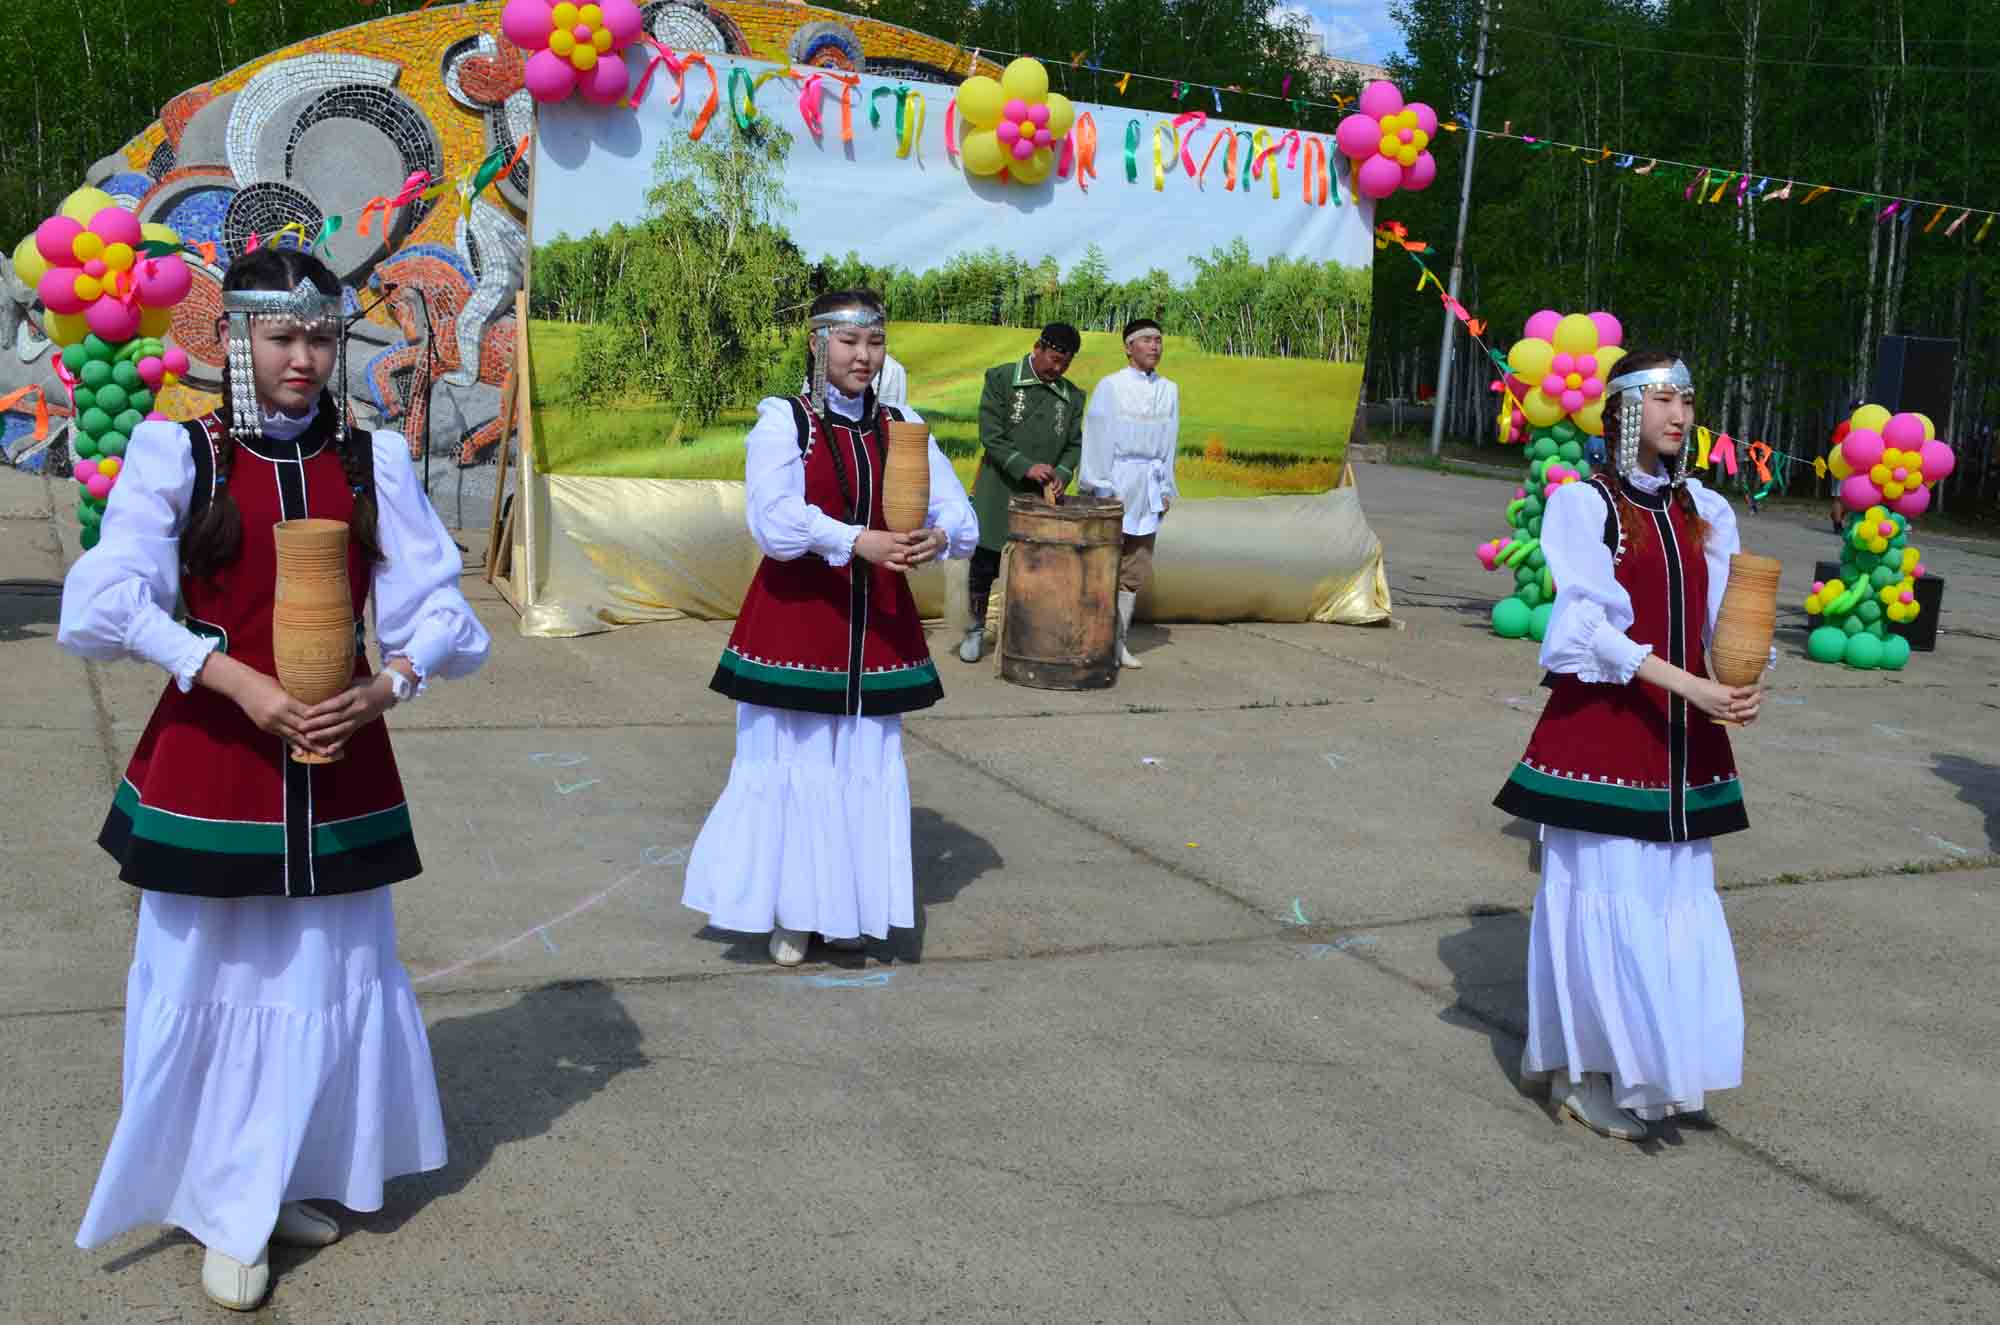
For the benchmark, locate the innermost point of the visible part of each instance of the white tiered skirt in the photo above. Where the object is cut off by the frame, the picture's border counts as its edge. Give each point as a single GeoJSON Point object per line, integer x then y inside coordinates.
{"type": "Point", "coordinates": [1631, 971]}
{"type": "Point", "coordinates": [273, 1052]}
{"type": "Point", "coordinates": [813, 831]}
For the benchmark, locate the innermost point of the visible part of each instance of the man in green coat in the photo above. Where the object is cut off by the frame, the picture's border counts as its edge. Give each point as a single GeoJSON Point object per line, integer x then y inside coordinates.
{"type": "Point", "coordinates": [1030, 439]}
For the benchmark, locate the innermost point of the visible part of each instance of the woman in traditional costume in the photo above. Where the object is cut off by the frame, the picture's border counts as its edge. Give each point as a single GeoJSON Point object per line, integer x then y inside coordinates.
{"type": "Point", "coordinates": [274, 1052]}
{"type": "Point", "coordinates": [812, 833]}
{"type": "Point", "coordinates": [1634, 1011]}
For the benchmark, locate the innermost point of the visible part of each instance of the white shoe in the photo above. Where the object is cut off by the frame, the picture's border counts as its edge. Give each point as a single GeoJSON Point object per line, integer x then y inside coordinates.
{"type": "Point", "coordinates": [972, 645]}
{"type": "Point", "coordinates": [1589, 1102]}
{"type": "Point", "coordinates": [788, 946]}
{"type": "Point", "coordinates": [1127, 601]}
{"type": "Point", "coordinates": [300, 1225]}
{"type": "Point", "coordinates": [232, 1284]}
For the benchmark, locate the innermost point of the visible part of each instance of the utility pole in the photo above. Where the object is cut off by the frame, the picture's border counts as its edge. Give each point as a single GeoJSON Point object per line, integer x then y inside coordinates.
{"type": "Point", "coordinates": [1458, 248]}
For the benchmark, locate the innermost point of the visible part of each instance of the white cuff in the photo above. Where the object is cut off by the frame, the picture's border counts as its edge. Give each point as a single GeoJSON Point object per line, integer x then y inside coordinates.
{"type": "Point", "coordinates": [188, 665]}
{"type": "Point", "coordinates": [1617, 658]}
{"type": "Point", "coordinates": [835, 543]}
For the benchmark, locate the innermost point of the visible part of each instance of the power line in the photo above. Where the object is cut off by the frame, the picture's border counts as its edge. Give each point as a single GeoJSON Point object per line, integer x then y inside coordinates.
{"type": "Point", "coordinates": [1765, 35]}
{"type": "Point", "coordinates": [1572, 40]}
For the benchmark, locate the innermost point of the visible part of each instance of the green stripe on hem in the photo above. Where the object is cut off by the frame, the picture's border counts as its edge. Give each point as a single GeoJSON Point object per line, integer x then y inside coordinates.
{"type": "Point", "coordinates": [255, 837]}
{"type": "Point", "coordinates": [1650, 800]}
{"type": "Point", "coordinates": [800, 678]}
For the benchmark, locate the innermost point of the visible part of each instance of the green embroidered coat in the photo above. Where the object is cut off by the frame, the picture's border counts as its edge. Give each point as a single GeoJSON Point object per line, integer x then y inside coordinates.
{"type": "Point", "coordinates": [1023, 422]}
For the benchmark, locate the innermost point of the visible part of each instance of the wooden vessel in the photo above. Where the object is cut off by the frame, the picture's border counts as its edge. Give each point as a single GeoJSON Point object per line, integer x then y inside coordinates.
{"type": "Point", "coordinates": [1061, 625]}
{"type": "Point", "coordinates": [1741, 648]}
{"type": "Point", "coordinates": [906, 477]}
{"type": "Point", "coordinates": [312, 615]}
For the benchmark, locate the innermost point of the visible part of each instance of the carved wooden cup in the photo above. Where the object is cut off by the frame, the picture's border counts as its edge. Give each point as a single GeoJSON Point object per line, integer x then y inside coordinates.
{"type": "Point", "coordinates": [1741, 648]}
{"type": "Point", "coordinates": [906, 478]}
{"type": "Point", "coordinates": [312, 616]}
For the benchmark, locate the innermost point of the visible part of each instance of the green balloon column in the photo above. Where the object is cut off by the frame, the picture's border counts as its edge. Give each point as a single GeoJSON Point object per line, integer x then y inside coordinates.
{"type": "Point", "coordinates": [1886, 465]}
{"type": "Point", "coordinates": [106, 283]}
{"type": "Point", "coordinates": [1876, 588]}
{"type": "Point", "coordinates": [1555, 458]}
{"type": "Point", "coordinates": [1553, 404]}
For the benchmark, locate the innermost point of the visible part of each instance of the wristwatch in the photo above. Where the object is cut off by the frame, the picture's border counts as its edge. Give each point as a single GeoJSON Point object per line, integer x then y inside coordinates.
{"type": "Point", "coordinates": [400, 685]}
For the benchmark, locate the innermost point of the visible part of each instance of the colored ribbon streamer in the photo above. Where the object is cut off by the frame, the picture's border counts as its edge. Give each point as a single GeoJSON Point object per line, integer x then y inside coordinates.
{"type": "Point", "coordinates": [1724, 452]}
{"type": "Point", "coordinates": [1162, 160]}
{"type": "Point", "coordinates": [913, 128]}
{"type": "Point", "coordinates": [1952, 229]}
{"type": "Point", "coordinates": [901, 94]}
{"type": "Point", "coordinates": [1980, 238]}
{"type": "Point", "coordinates": [1223, 134]}
{"type": "Point", "coordinates": [1185, 127]}
{"type": "Point", "coordinates": [1080, 151]}
{"type": "Point", "coordinates": [707, 113]}
{"type": "Point", "coordinates": [1703, 440]}
{"type": "Point", "coordinates": [661, 56]}
{"type": "Point", "coordinates": [1131, 151]}
{"type": "Point", "coordinates": [739, 79]}
{"type": "Point", "coordinates": [1760, 457]}
{"type": "Point", "coordinates": [13, 398]}
{"type": "Point", "coordinates": [1260, 151]}
{"type": "Point", "coordinates": [380, 204]}
{"type": "Point", "coordinates": [1316, 187]}
{"type": "Point", "coordinates": [297, 228]}
{"type": "Point", "coordinates": [950, 133]}
{"type": "Point", "coordinates": [809, 97]}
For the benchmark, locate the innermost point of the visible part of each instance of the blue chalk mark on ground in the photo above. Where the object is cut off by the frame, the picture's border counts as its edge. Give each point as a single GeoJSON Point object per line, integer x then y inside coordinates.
{"type": "Point", "coordinates": [547, 942]}
{"type": "Point", "coordinates": [559, 760]}
{"type": "Point", "coordinates": [1347, 943]}
{"type": "Point", "coordinates": [872, 980]}
{"type": "Point", "coordinates": [562, 790]}
{"type": "Point", "coordinates": [1298, 915]}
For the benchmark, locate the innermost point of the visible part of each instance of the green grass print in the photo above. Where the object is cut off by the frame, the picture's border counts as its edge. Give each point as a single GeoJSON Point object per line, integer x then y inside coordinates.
{"type": "Point", "coordinates": [1269, 410]}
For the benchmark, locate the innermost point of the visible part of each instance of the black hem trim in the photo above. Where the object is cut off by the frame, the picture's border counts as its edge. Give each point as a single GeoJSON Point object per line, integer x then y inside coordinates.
{"type": "Point", "coordinates": [226, 876]}
{"type": "Point", "coordinates": [1610, 821]}
{"type": "Point", "coordinates": [877, 704]}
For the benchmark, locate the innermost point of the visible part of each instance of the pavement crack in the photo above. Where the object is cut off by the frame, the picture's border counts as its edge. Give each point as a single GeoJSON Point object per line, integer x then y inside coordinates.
{"type": "Point", "coordinates": [1174, 868]}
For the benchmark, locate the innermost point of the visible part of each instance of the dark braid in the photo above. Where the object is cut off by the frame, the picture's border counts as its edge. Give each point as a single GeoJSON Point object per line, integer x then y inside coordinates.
{"type": "Point", "coordinates": [357, 461]}
{"type": "Point", "coordinates": [214, 538]}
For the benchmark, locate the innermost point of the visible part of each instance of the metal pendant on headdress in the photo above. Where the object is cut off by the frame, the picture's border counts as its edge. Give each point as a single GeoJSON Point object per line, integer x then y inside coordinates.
{"type": "Point", "coordinates": [304, 306]}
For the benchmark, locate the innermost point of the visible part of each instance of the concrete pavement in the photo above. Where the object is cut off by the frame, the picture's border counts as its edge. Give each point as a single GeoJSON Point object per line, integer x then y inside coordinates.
{"type": "Point", "coordinates": [1212, 1013]}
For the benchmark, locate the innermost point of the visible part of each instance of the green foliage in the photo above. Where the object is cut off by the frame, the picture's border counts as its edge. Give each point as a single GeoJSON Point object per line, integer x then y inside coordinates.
{"type": "Point", "coordinates": [83, 79]}
{"type": "Point", "coordinates": [1775, 305]}
{"type": "Point", "coordinates": [685, 307]}
{"type": "Point", "coordinates": [1235, 305]}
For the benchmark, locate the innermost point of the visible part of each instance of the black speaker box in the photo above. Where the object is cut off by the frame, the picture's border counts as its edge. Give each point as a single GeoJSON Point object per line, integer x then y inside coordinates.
{"type": "Point", "coordinates": [1913, 374]}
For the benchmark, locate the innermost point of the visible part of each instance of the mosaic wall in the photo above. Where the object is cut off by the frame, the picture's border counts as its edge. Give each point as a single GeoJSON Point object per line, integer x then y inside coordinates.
{"type": "Point", "coordinates": [319, 128]}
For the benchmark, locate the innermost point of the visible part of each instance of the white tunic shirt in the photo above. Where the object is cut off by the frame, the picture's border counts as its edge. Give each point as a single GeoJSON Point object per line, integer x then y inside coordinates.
{"type": "Point", "coordinates": [118, 600]}
{"type": "Point", "coordinates": [787, 526]}
{"type": "Point", "coordinates": [1131, 433]}
{"type": "Point", "coordinates": [1586, 635]}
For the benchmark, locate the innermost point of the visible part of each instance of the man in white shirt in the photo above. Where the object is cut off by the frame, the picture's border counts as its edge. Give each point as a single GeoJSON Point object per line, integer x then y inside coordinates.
{"type": "Point", "coordinates": [1131, 434]}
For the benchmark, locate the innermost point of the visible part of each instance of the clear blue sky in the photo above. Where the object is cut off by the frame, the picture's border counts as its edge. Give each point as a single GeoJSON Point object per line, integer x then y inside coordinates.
{"type": "Point", "coordinates": [1354, 29]}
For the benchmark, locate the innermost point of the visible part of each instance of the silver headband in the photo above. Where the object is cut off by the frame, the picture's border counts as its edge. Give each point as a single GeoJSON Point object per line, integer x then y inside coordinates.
{"type": "Point", "coordinates": [846, 317]}
{"type": "Point", "coordinates": [304, 305]}
{"type": "Point", "coordinates": [1145, 331]}
{"type": "Point", "coordinates": [1631, 409]}
{"type": "Point", "coordinates": [1675, 376]}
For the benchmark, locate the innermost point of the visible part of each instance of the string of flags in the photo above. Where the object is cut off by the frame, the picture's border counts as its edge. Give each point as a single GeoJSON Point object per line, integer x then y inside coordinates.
{"type": "Point", "coordinates": [1706, 184]}
{"type": "Point", "coordinates": [1712, 449]}
{"type": "Point", "coordinates": [1717, 185]}
{"type": "Point", "coordinates": [468, 184]}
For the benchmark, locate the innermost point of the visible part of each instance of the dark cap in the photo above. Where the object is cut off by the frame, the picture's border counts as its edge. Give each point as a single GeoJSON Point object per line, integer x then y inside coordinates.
{"type": "Point", "coordinates": [1061, 337]}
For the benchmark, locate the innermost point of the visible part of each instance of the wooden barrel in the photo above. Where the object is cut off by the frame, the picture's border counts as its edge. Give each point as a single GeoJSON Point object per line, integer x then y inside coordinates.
{"type": "Point", "coordinates": [1061, 625]}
